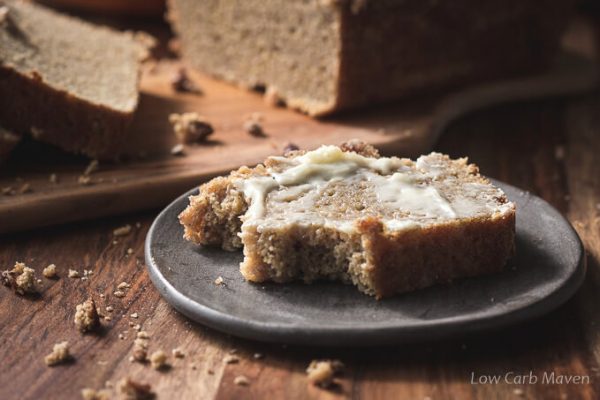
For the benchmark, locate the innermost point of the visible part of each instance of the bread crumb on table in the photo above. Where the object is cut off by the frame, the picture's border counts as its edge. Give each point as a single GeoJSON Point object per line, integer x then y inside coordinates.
{"type": "Point", "coordinates": [158, 360]}
{"type": "Point", "coordinates": [3, 13]}
{"type": "Point", "coordinates": [84, 180]}
{"type": "Point", "coordinates": [142, 335]}
{"type": "Point", "coordinates": [219, 281]}
{"type": "Point", "coordinates": [231, 359]}
{"type": "Point", "coordinates": [322, 372]}
{"type": "Point", "coordinates": [25, 188]}
{"type": "Point", "coordinates": [73, 274]}
{"type": "Point", "coordinates": [140, 347]}
{"type": "Point", "coordinates": [272, 97]}
{"type": "Point", "coordinates": [91, 394]}
{"type": "Point", "coordinates": [50, 272]}
{"type": "Point", "coordinates": [53, 178]}
{"type": "Point", "coordinates": [60, 354]}
{"type": "Point", "coordinates": [20, 278]}
{"type": "Point", "coordinates": [190, 127]}
{"type": "Point", "coordinates": [290, 147]}
{"type": "Point", "coordinates": [178, 150]}
{"type": "Point", "coordinates": [241, 380]}
{"type": "Point", "coordinates": [182, 83]}
{"type": "Point", "coordinates": [132, 390]}
{"type": "Point", "coordinates": [122, 231]}
{"type": "Point", "coordinates": [177, 353]}
{"type": "Point", "coordinates": [86, 316]}
{"type": "Point", "coordinates": [91, 168]}
{"type": "Point", "coordinates": [123, 285]}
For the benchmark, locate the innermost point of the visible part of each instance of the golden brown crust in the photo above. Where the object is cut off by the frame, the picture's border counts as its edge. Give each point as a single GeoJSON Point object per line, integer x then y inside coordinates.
{"type": "Point", "coordinates": [416, 259]}
{"type": "Point", "coordinates": [31, 107]}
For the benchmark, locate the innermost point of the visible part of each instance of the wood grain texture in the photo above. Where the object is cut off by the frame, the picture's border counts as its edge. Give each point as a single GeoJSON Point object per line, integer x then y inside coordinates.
{"type": "Point", "coordinates": [149, 176]}
{"type": "Point", "coordinates": [549, 148]}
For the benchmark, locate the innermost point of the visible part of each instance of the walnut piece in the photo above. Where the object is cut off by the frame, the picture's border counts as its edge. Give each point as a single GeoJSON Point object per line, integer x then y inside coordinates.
{"type": "Point", "coordinates": [182, 83]}
{"type": "Point", "coordinates": [86, 316]}
{"type": "Point", "coordinates": [190, 127]}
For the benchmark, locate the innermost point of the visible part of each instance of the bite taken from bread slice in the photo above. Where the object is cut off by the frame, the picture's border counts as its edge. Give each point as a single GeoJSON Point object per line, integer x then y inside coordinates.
{"type": "Point", "coordinates": [386, 225]}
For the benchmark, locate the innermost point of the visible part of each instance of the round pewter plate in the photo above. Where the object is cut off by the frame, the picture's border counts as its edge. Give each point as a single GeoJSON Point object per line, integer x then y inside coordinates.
{"type": "Point", "coordinates": [547, 269]}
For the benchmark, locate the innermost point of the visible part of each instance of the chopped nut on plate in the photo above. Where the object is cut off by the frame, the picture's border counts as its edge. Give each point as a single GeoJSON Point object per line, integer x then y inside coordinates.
{"type": "Point", "coordinates": [60, 354]}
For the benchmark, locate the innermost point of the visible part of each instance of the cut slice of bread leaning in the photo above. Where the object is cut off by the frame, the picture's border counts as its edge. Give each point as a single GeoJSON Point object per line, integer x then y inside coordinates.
{"type": "Point", "coordinates": [387, 225]}
{"type": "Point", "coordinates": [66, 81]}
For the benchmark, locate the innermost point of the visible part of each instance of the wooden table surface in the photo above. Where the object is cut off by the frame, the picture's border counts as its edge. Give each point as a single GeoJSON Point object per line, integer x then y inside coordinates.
{"type": "Point", "coordinates": [550, 148]}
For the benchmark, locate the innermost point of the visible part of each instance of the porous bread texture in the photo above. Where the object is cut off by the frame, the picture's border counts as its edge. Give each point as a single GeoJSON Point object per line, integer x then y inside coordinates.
{"type": "Point", "coordinates": [378, 259]}
{"type": "Point", "coordinates": [66, 81]}
{"type": "Point", "coordinates": [321, 56]}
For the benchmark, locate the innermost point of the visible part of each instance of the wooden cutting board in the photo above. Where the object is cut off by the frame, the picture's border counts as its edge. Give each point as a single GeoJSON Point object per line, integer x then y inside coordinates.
{"type": "Point", "coordinates": [151, 177]}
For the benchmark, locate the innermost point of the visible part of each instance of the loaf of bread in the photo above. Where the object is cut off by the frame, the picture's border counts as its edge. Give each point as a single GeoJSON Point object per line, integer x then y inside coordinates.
{"type": "Point", "coordinates": [65, 81]}
{"type": "Point", "coordinates": [321, 56]}
{"type": "Point", "coordinates": [386, 225]}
